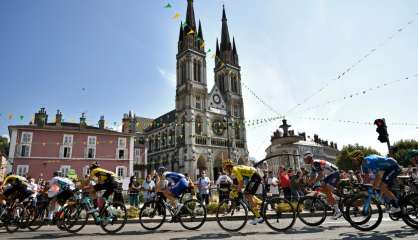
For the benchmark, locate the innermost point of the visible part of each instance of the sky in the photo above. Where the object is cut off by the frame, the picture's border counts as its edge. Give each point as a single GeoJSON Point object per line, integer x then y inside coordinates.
{"type": "Point", "coordinates": [107, 57]}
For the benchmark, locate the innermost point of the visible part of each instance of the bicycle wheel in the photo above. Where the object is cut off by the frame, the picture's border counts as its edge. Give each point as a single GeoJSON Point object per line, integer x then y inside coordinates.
{"type": "Point", "coordinates": [17, 216]}
{"type": "Point", "coordinates": [192, 215]}
{"type": "Point", "coordinates": [114, 217]}
{"type": "Point", "coordinates": [312, 211]}
{"type": "Point", "coordinates": [279, 214]}
{"type": "Point", "coordinates": [409, 209]}
{"type": "Point", "coordinates": [75, 218]}
{"type": "Point", "coordinates": [152, 215]}
{"type": "Point", "coordinates": [364, 214]}
{"type": "Point", "coordinates": [232, 215]}
{"type": "Point", "coordinates": [37, 217]}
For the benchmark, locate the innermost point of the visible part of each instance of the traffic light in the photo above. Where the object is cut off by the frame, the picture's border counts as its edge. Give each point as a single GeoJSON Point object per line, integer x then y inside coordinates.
{"type": "Point", "coordinates": [382, 130]}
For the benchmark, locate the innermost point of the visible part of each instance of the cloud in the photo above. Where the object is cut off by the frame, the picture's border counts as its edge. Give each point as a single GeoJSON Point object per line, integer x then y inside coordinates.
{"type": "Point", "coordinates": [168, 76]}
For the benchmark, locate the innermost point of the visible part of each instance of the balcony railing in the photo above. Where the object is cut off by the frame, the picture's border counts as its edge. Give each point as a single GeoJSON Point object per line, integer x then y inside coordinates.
{"type": "Point", "coordinates": [239, 144]}
{"type": "Point", "coordinates": [219, 142]}
{"type": "Point", "coordinates": [201, 140]}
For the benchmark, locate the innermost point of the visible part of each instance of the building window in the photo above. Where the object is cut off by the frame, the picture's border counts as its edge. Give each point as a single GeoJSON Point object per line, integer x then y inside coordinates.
{"type": "Point", "coordinates": [234, 85]}
{"type": "Point", "coordinates": [199, 72]}
{"type": "Point", "coordinates": [66, 152]}
{"type": "Point", "coordinates": [198, 102]}
{"type": "Point", "coordinates": [64, 170]}
{"type": "Point", "coordinates": [237, 110]}
{"type": "Point", "coordinates": [91, 140]}
{"type": "Point", "coordinates": [67, 139]}
{"type": "Point", "coordinates": [198, 126]}
{"type": "Point", "coordinates": [195, 73]}
{"type": "Point", "coordinates": [26, 137]}
{"type": "Point", "coordinates": [122, 143]}
{"type": "Point", "coordinates": [121, 171]}
{"type": "Point", "coordinates": [22, 170]}
{"type": "Point", "coordinates": [221, 83]}
{"type": "Point", "coordinates": [137, 155]}
{"type": "Point", "coordinates": [237, 131]}
{"type": "Point", "coordinates": [91, 152]}
{"type": "Point", "coordinates": [24, 150]}
{"type": "Point", "coordinates": [183, 73]}
{"type": "Point", "coordinates": [121, 154]}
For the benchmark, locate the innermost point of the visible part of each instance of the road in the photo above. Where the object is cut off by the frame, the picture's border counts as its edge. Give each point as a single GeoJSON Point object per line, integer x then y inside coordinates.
{"type": "Point", "coordinates": [173, 231]}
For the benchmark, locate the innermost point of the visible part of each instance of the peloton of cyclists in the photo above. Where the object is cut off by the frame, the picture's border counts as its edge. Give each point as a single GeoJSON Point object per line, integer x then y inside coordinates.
{"type": "Point", "coordinates": [60, 190]}
{"type": "Point", "coordinates": [386, 170]}
{"type": "Point", "coordinates": [239, 173]}
{"type": "Point", "coordinates": [329, 176]}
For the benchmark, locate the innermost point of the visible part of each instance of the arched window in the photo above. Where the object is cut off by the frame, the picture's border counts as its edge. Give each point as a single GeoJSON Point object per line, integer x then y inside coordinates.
{"type": "Point", "coordinates": [221, 83]}
{"type": "Point", "coordinates": [198, 125]}
{"type": "Point", "coordinates": [237, 131]}
{"type": "Point", "coordinates": [183, 73]}
{"type": "Point", "coordinates": [199, 72]}
{"type": "Point", "coordinates": [195, 73]}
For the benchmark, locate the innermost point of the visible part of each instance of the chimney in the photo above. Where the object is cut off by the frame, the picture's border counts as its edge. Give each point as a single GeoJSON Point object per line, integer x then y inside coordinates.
{"type": "Point", "coordinates": [83, 120]}
{"type": "Point", "coordinates": [41, 118]}
{"type": "Point", "coordinates": [101, 122]}
{"type": "Point", "coordinates": [58, 118]}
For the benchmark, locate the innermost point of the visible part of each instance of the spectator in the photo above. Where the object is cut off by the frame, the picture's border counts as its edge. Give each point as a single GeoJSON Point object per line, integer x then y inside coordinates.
{"type": "Point", "coordinates": [133, 192]}
{"type": "Point", "coordinates": [203, 184]}
{"type": "Point", "coordinates": [149, 187]}
{"type": "Point", "coordinates": [272, 184]}
{"type": "Point", "coordinates": [224, 183]}
{"type": "Point", "coordinates": [414, 176]}
{"type": "Point", "coordinates": [285, 183]}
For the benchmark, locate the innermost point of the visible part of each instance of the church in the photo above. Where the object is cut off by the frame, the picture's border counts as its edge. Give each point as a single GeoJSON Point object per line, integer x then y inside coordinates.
{"type": "Point", "coordinates": [205, 127]}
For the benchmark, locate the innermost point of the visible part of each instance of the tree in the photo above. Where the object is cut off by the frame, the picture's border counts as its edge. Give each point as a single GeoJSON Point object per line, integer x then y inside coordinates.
{"type": "Point", "coordinates": [343, 160]}
{"type": "Point", "coordinates": [4, 145]}
{"type": "Point", "coordinates": [400, 148]}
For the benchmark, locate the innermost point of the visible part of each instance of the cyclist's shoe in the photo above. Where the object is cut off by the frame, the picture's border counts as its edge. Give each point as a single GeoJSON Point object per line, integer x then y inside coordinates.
{"type": "Point", "coordinates": [178, 208]}
{"type": "Point", "coordinates": [394, 210]}
{"type": "Point", "coordinates": [257, 220]}
{"type": "Point", "coordinates": [337, 214]}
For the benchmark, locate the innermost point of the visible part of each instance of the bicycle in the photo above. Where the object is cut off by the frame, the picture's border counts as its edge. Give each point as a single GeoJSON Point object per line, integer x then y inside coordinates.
{"type": "Point", "coordinates": [112, 217]}
{"type": "Point", "coordinates": [313, 208]}
{"type": "Point", "coordinates": [154, 212]}
{"type": "Point", "coordinates": [279, 214]}
{"type": "Point", "coordinates": [368, 202]}
{"type": "Point", "coordinates": [15, 216]}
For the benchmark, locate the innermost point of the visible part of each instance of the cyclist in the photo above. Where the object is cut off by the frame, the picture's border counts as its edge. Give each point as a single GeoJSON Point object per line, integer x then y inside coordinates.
{"type": "Point", "coordinates": [60, 190]}
{"type": "Point", "coordinates": [16, 186]}
{"type": "Point", "coordinates": [177, 184]}
{"type": "Point", "coordinates": [106, 180]}
{"type": "Point", "coordinates": [240, 173]}
{"type": "Point", "coordinates": [329, 176]}
{"type": "Point", "coordinates": [385, 170]}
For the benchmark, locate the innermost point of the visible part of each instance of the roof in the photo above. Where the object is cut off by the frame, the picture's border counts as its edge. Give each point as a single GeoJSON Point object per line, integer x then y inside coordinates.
{"type": "Point", "coordinates": [67, 126]}
{"type": "Point", "coordinates": [143, 123]}
{"type": "Point", "coordinates": [163, 120]}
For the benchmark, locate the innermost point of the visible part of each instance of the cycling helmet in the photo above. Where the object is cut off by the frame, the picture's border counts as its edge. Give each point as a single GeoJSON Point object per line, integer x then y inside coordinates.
{"type": "Point", "coordinates": [356, 155]}
{"type": "Point", "coordinates": [94, 166]}
{"type": "Point", "coordinates": [161, 170]}
{"type": "Point", "coordinates": [227, 163]}
{"type": "Point", "coordinates": [57, 173]}
{"type": "Point", "coordinates": [308, 154]}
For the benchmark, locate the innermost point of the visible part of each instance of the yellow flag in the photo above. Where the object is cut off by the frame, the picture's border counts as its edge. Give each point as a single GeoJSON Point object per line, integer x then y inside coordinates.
{"type": "Point", "coordinates": [190, 32]}
{"type": "Point", "coordinates": [202, 45]}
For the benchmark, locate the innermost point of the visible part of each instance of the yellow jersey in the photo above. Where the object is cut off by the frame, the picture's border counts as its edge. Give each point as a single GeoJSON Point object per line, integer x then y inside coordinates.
{"type": "Point", "coordinates": [102, 174]}
{"type": "Point", "coordinates": [13, 179]}
{"type": "Point", "coordinates": [241, 172]}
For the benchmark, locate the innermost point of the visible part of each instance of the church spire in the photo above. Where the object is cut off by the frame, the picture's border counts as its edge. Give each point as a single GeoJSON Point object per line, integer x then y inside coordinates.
{"type": "Point", "coordinates": [200, 33]}
{"type": "Point", "coordinates": [190, 19]}
{"type": "Point", "coordinates": [181, 32]}
{"type": "Point", "coordinates": [225, 40]}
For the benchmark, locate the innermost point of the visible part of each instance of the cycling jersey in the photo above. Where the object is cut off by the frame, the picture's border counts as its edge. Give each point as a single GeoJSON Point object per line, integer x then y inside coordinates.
{"type": "Point", "coordinates": [17, 186]}
{"type": "Point", "coordinates": [62, 183]}
{"type": "Point", "coordinates": [325, 167]}
{"type": "Point", "coordinates": [376, 163]}
{"type": "Point", "coordinates": [103, 175]}
{"type": "Point", "coordinates": [240, 172]}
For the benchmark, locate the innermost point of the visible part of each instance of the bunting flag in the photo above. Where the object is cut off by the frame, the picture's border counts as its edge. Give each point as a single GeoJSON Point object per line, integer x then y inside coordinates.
{"type": "Point", "coordinates": [21, 117]}
{"type": "Point", "coordinates": [10, 116]}
{"type": "Point", "coordinates": [209, 50]}
{"type": "Point", "coordinates": [341, 75]}
{"type": "Point", "coordinates": [168, 5]}
{"type": "Point", "coordinates": [176, 16]}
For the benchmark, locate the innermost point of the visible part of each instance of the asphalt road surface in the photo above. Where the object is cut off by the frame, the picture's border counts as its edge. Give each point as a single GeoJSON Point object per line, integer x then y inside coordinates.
{"type": "Point", "coordinates": [173, 231]}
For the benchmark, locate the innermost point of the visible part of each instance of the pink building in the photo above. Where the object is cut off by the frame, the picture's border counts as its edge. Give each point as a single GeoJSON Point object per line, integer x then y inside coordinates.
{"type": "Point", "coordinates": [40, 148]}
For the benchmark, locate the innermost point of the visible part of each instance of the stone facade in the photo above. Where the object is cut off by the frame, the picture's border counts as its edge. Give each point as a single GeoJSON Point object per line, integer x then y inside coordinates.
{"type": "Point", "coordinates": [204, 128]}
{"type": "Point", "coordinates": [287, 149]}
